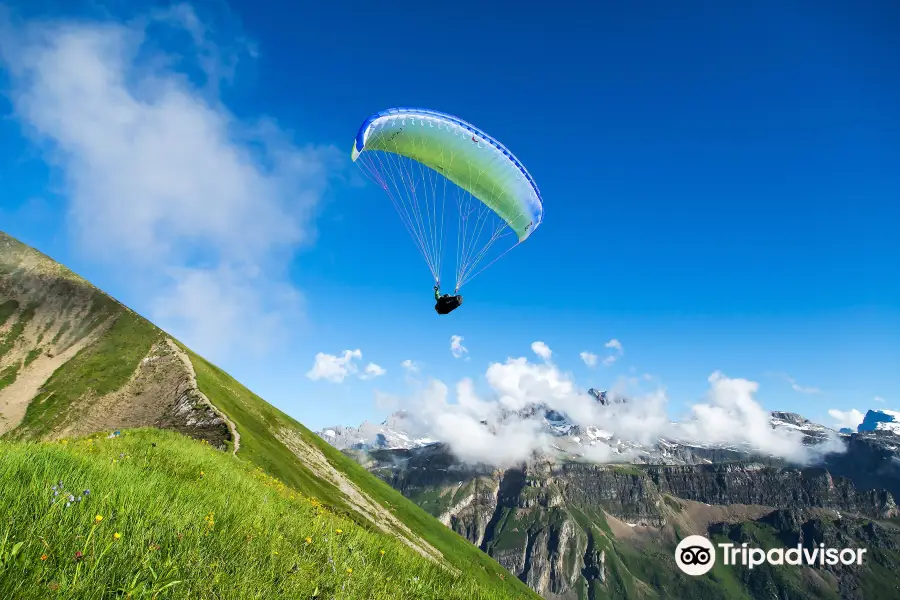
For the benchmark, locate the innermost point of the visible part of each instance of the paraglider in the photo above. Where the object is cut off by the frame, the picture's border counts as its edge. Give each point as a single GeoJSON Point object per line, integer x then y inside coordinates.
{"type": "Point", "coordinates": [425, 160]}
{"type": "Point", "coordinates": [445, 304]}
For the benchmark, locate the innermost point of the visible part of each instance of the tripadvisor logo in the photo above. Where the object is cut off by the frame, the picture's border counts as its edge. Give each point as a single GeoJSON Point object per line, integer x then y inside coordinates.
{"type": "Point", "coordinates": [695, 555]}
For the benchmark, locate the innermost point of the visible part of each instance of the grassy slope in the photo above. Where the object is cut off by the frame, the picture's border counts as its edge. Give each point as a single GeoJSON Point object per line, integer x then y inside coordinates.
{"type": "Point", "coordinates": [199, 520]}
{"type": "Point", "coordinates": [255, 420]}
{"type": "Point", "coordinates": [106, 366]}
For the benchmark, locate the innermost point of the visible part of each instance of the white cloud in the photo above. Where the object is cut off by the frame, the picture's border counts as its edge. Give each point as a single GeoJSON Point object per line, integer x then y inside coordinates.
{"type": "Point", "coordinates": [850, 419]}
{"type": "Point", "coordinates": [616, 345]}
{"type": "Point", "coordinates": [456, 347]}
{"type": "Point", "coordinates": [542, 350]}
{"type": "Point", "coordinates": [198, 210]}
{"type": "Point", "coordinates": [334, 368]}
{"type": "Point", "coordinates": [410, 366]}
{"type": "Point", "coordinates": [494, 429]}
{"type": "Point", "coordinates": [878, 399]}
{"type": "Point", "coordinates": [589, 358]}
{"type": "Point", "coordinates": [802, 389]}
{"type": "Point", "coordinates": [732, 415]}
{"type": "Point", "coordinates": [372, 371]}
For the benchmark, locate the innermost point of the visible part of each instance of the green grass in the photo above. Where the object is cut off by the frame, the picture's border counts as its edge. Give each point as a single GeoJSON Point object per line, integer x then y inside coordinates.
{"type": "Point", "coordinates": [257, 421]}
{"type": "Point", "coordinates": [32, 355]}
{"type": "Point", "coordinates": [103, 367]}
{"type": "Point", "coordinates": [7, 309]}
{"type": "Point", "coordinates": [16, 330]}
{"type": "Point", "coordinates": [8, 375]}
{"type": "Point", "coordinates": [102, 307]}
{"type": "Point", "coordinates": [672, 503]}
{"type": "Point", "coordinates": [193, 522]}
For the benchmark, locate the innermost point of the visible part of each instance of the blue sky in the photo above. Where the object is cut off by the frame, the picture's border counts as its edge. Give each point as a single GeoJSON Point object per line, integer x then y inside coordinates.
{"type": "Point", "coordinates": [721, 187]}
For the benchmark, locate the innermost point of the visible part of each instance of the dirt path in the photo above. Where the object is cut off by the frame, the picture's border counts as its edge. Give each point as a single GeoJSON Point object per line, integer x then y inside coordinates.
{"type": "Point", "coordinates": [186, 360]}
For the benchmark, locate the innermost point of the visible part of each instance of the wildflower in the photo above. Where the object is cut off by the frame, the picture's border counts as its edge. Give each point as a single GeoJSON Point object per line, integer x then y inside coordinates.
{"type": "Point", "coordinates": [381, 552]}
{"type": "Point", "coordinates": [275, 553]}
{"type": "Point", "coordinates": [86, 492]}
{"type": "Point", "coordinates": [78, 556]}
{"type": "Point", "coordinates": [43, 557]}
{"type": "Point", "coordinates": [309, 540]}
{"type": "Point", "coordinates": [71, 498]}
{"type": "Point", "coordinates": [339, 531]}
{"type": "Point", "coordinates": [117, 535]}
{"type": "Point", "coordinates": [349, 571]}
{"type": "Point", "coordinates": [202, 473]}
{"type": "Point", "coordinates": [98, 518]}
{"type": "Point", "coordinates": [68, 504]}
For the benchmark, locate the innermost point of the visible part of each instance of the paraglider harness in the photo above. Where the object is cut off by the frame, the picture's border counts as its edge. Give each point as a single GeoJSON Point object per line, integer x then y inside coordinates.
{"type": "Point", "coordinates": [446, 303]}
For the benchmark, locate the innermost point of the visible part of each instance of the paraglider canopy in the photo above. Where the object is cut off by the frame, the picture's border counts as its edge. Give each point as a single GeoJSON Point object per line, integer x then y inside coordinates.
{"type": "Point", "coordinates": [425, 160]}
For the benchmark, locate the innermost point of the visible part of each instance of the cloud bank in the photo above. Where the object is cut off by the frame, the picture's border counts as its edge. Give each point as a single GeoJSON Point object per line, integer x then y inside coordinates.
{"type": "Point", "coordinates": [499, 425]}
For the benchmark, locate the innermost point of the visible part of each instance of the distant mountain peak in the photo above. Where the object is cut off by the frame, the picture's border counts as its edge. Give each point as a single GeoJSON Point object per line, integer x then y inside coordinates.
{"type": "Point", "coordinates": [880, 420]}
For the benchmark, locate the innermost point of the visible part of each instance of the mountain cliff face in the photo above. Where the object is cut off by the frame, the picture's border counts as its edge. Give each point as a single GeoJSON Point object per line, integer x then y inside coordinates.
{"type": "Point", "coordinates": [564, 528]}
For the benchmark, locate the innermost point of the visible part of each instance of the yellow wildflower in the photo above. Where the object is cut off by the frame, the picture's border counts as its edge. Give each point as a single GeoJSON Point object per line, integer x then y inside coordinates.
{"type": "Point", "coordinates": [349, 571]}
{"type": "Point", "coordinates": [98, 518]}
{"type": "Point", "coordinates": [381, 552]}
{"type": "Point", "coordinates": [117, 535]}
{"type": "Point", "coordinates": [43, 557]}
{"type": "Point", "coordinates": [309, 540]}
{"type": "Point", "coordinates": [339, 531]}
